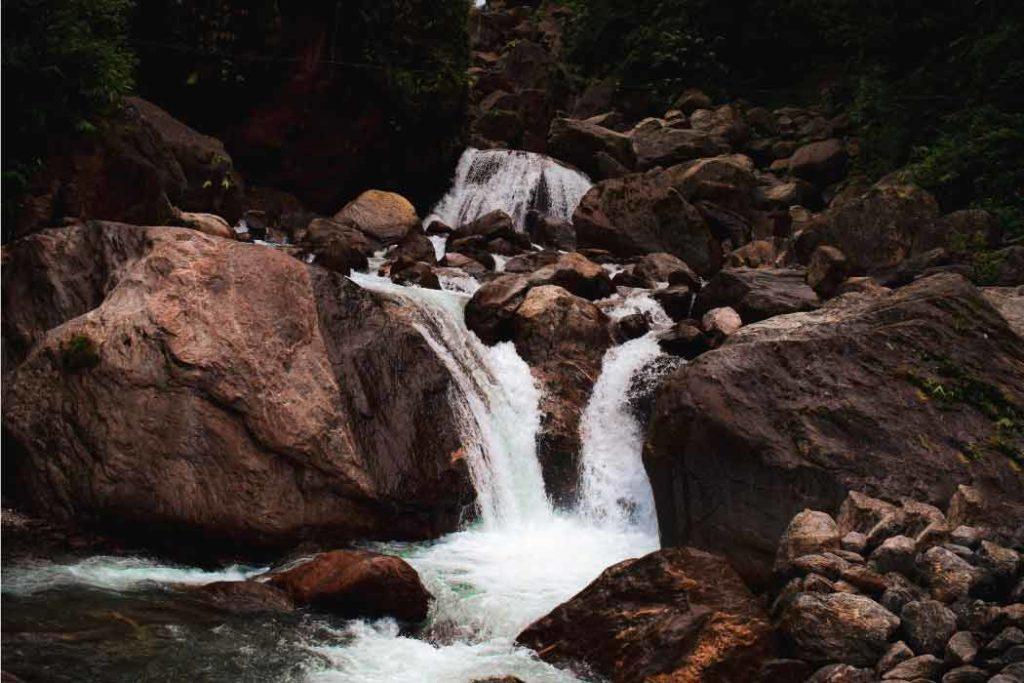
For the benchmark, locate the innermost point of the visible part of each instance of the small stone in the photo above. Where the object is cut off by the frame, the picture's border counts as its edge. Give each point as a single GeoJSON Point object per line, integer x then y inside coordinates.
{"type": "Point", "coordinates": [826, 564]}
{"type": "Point", "coordinates": [855, 542]}
{"type": "Point", "coordinates": [1007, 638]}
{"type": "Point", "coordinates": [816, 583]}
{"type": "Point", "coordinates": [927, 625]}
{"type": "Point", "coordinates": [784, 671]}
{"type": "Point", "coordinates": [853, 558]}
{"type": "Point", "coordinates": [895, 554]}
{"type": "Point", "coordinates": [861, 513]}
{"type": "Point", "coordinates": [899, 593]}
{"type": "Point", "coordinates": [838, 627]}
{"type": "Point", "coordinates": [1002, 562]}
{"type": "Point", "coordinates": [864, 579]}
{"type": "Point", "coordinates": [934, 534]}
{"type": "Point", "coordinates": [827, 270]}
{"type": "Point", "coordinates": [841, 673]}
{"type": "Point", "coordinates": [965, 674]}
{"type": "Point", "coordinates": [948, 576]}
{"type": "Point", "coordinates": [890, 525]}
{"type": "Point", "coordinates": [809, 532]}
{"type": "Point", "coordinates": [926, 667]}
{"type": "Point", "coordinates": [684, 339]}
{"type": "Point", "coordinates": [962, 648]}
{"type": "Point", "coordinates": [897, 653]}
{"type": "Point", "coordinates": [959, 550]}
{"type": "Point", "coordinates": [917, 516]}
{"type": "Point", "coordinates": [969, 536]}
{"type": "Point", "coordinates": [721, 322]}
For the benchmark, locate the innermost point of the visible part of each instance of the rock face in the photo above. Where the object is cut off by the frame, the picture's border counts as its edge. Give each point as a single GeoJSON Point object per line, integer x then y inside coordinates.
{"type": "Point", "coordinates": [357, 583]}
{"type": "Point", "coordinates": [677, 614]}
{"type": "Point", "coordinates": [642, 213]}
{"type": "Point", "coordinates": [204, 389]}
{"type": "Point", "coordinates": [384, 216]}
{"type": "Point", "coordinates": [794, 411]}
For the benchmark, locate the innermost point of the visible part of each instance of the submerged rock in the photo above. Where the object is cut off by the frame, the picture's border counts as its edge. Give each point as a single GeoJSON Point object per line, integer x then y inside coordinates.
{"type": "Point", "coordinates": [678, 614]}
{"type": "Point", "coordinates": [357, 583]}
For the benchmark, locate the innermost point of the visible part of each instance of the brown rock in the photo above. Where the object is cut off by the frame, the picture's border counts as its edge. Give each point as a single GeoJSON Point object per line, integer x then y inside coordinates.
{"type": "Point", "coordinates": [795, 411]}
{"type": "Point", "coordinates": [927, 626]}
{"type": "Point", "coordinates": [756, 254]}
{"type": "Point", "coordinates": [357, 583]}
{"type": "Point", "coordinates": [383, 216]}
{"type": "Point", "coordinates": [661, 267]}
{"type": "Point", "coordinates": [208, 224]}
{"type": "Point", "coordinates": [228, 397]}
{"type": "Point", "coordinates": [415, 246]}
{"type": "Point", "coordinates": [677, 300]}
{"type": "Point", "coordinates": [322, 232]}
{"type": "Point", "coordinates": [721, 323]}
{"type": "Point", "coordinates": [821, 163]}
{"type": "Point", "coordinates": [576, 273]}
{"type": "Point", "coordinates": [685, 340]}
{"type": "Point", "coordinates": [728, 181]}
{"type": "Point", "coordinates": [677, 614]}
{"type": "Point", "coordinates": [642, 213]}
{"type": "Point", "coordinates": [757, 293]}
{"type": "Point", "coordinates": [808, 533]}
{"type": "Point", "coordinates": [691, 100]}
{"type": "Point", "coordinates": [837, 627]}
{"type": "Point", "coordinates": [827, 271]}
{"type": "Point", "coordinates": [246, 596]}
{"type": "Point", "coordinates": [490, 311]}
{"type": "Point", "coordinates": [657, 143]}
{"type": "Point", "coordinates": [578, 142]}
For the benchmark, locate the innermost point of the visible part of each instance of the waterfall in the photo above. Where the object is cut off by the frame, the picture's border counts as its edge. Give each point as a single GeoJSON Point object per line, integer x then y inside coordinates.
{"type": "Point", "coordinates": [513, 181]}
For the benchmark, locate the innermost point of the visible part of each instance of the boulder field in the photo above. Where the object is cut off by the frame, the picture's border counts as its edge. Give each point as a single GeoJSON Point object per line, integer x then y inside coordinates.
{"type": "Point", "coordinates": [225, 392]}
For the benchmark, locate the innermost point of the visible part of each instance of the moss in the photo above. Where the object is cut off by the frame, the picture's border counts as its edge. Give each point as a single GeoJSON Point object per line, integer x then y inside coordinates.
{"type": "Point", "coordinates": [78, 353]}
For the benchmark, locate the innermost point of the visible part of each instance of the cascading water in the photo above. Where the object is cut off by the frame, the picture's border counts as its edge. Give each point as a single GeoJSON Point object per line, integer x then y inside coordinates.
{"type": "Point", "coordinates": [512, 181]}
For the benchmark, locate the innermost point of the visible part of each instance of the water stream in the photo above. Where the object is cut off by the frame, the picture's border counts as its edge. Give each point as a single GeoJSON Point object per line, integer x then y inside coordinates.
{"type": "Point", "coordinates": [517, 560]}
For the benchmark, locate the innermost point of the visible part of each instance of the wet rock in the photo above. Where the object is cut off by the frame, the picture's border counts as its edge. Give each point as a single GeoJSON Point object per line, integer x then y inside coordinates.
{"type": "Point", "coordinates": [469, 265]}
{"type": "Point", "coordinates": [549, 232]}
{"type": "Point", "coordinates": [757, 293]}
{"type": "Point", "coordinates": [821, 163]}
{"type": "Point", "coordinates": [897, 653]}
{"type": "Point", "coordinates": [684, 339]}
{"type": "Point", "coordinates": [676, 300]}
{"type": "Point", "coordinates": [678, 613]}
{"type": "Point", "coordinates": [341, 257]}
{"type": "Point", "coordinates": [927, 626]}
{"type": "Point", "coordinates": [838, 627]}
{"type": "Point", "coordinates": [357, 583]}
{"type": "Point", "coordinates": [810, 532]}
{"type": "Point", "coordinates": [418, 274]}
{"type": "Point", "coordinates": [720, 323]}
{"type": "Point", "coordinates": [577, 274]}
{"type": "Point", "coordinates": [246, 596]}
{"type": "Point", "coordinates": [926, 667]}
{"type": "Point", "coordinates": [415, 246]}
{"type": "Point", "coordinates": [962, 648]}
{"type": "Point", "coordinates": [281, 402]}
{"type": "Point", "coordinates": [578, 142]}
{"type": "Point", "coordinates": [628, 278]}
{"type": "Point", "coordinates": [642, 213]}
{"type": "Point", "coordinates": [531, 261]}
{"type": "Point", "coordinates": [490, 311]}
{"type": "Point", "coordinates": [632, 326]}
{"type": "Point", "coordinates": [661, 267]}
{"type": "Point", "coordinates": [383, 216]}
{"type": "Point", "coordinates": [861, 285]}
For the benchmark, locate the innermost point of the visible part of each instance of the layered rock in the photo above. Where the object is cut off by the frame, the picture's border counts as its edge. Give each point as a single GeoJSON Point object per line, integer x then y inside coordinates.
{"type": "Point", "coordinates": [677, 614]}
{"type": "Point", "coordinates": [225, 393]}
{"type": "Point", "coordinates": [793, 411]}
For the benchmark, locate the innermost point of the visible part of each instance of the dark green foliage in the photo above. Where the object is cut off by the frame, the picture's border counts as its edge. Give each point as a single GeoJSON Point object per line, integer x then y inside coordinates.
{"type": "Point", "coordinates": [65, 63]}
{"type": "Point", "coordinates": [78, 353]}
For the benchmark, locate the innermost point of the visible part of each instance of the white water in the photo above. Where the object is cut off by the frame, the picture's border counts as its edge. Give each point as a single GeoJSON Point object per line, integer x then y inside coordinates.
{"type": "Point", "coordinates": [510, 180]}
{"type": "Point", "coordinates": [112, 573]}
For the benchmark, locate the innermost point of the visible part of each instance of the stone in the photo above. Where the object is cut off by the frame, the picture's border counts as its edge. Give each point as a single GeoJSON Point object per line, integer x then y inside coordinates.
{"type": "Point", "coordinates": [383, 216]}
{"type": "Point", "coordinates": [642, 213]}
{"type": "Point", "coordinates": [657, 143]}
{"type": "Point", "coordinates": [577, 274]}
{"type": "Point", "coordinates": [728, 181]}
{"type": "Point", "coordinates": [1002, 562]}
{"type": "Point", "coordinates": [356, 583]}
{"type": "Point", "coordinates": [926, 667]}
{"type": "Point", "coordinates": [864, 579]}
{"type": "Point", "coordinates": [897, 653]}
{"type": "Point", "coordinates": [784, 671]}
{"type": "Point", "coordinates": [207, 223]}
{"type": "Point", "coordinates": [841, 673]}
{"type": "Point", "coordinates": [895, 554]}
{"type": "Point", "coordinates": [662, 267]}
{"type": "Point", "coordinates": [948, 576]}
{"type": "Point", "coordinates": [720, 323]}
{"type": "Point", "coordinates": [821, 163]}
{"type": "Point", "coordinates": [838, 627]}
{"type": "Point", "coordinates": [965, 674]}
{"type": "Point", "coordinates": [530, 261]}
{"type": "Point", "coordinates": [967, 536]}
{"type": "Point", "coordinates": [415, 246]}
{"type": "Point", "coordinates": [810, 532]}
{"type": "Point", "coordinates": [854, 541]}
{"type": "Point", "coordinates": [632, 326]}
{"type": "Point", "coordinates": [256, 400]}
{"type": "Point", "coordinates": [705, 621]}
{"type": "Point", "coordinates": [827, 271]}
{"type": "Point", "coordinates": [1007, 638]}
{"type": "Point", "coordinates": [245, 597]}
{"type": "Point", "coordinates": [860, 513]}
{"type": "Point", "coordinates": [927, 626]}
{"type": "Point", "coordinates": [962, 647]}
{"type": "Point", "coordinates": [691, 100]}
{"type": "Point", "coordinates": [490, 311]}
{"type": "Point", "coordinates": [757, 293]}
{"type": "Point", "coordinates": [684, 339]}
{"type": "Point", "coordinates": [551, 233]}
{"type": "Point", "coordinates": [416, 274]}
{"type": "Point", "coordinates": [756, 254]}
{"type": "Point", "coordinates": [797, 410]}
{"type": "Point", "coordinates": [900, 592]}
{"type": "Point", "coordinates": [725, 122]}
{"type": "Point", "coordinates": [578, 142]}
{"type": "Point", "coordinates": [676, 300]}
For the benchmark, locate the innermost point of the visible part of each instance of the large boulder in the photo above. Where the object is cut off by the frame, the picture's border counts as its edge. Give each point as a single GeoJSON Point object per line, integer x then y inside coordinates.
{"type": "Point", "coordinates": [659, 144]}
{"type": "Point", "coordinates": [878, 229]}
{"type": "Point", "coordinates": [677, 614]}
{"type": "Point", "coordinates": [757, 293]}
{"type": "Point", "coordinates": [643, 213]}
{"type": "Point", "coordinates": [727, 181]}
{"type": "Point", "coordinates": [793, 412]}
{"type": "Point", "coordinates": [582, 143]}
{"type": "Point", "coordinates": [837, 627]}
{"type": "Point", "coordinates": [356, 583]}
{"type": "Point", "coordinates": [211, 183]}
{"type": "Point", "coordinates": [821, 163]}
{"type": "Point", "coordinates": [563, 337]}
{"type": "Point", "coordinates": [576, 273]}
{"type": "Point", "coordinates": [212, 394]}
{"type": "Point", "coordinates": [383, 216]}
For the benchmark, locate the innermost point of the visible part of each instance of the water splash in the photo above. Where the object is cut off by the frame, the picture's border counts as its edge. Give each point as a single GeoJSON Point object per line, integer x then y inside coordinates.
{"type": "Point", "coordinates": [512, 181]}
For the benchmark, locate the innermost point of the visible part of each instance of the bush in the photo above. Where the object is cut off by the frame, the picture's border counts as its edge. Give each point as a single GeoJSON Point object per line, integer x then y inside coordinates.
{"type": "Point", "coordinates": [66, 63]}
